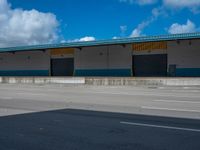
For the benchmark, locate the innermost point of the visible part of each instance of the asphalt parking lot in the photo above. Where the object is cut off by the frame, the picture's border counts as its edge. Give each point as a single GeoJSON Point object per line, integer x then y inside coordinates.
{"type": "Point", "coordinates": [87, 117]}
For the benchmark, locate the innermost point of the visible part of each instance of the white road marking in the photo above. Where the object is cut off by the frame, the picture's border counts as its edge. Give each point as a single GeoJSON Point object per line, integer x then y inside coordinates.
{"type": "Point", "coordinates": [177, 101]}
{"type": "Point", "coordinates": [170, 109]}
{"type": "Point", "coordinates": [160, 126]}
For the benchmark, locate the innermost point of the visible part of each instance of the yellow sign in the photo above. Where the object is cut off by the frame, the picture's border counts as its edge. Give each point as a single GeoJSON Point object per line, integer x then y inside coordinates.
{"type": "Point", "coordinates": [149, 46]}
{"type": "Point", "coordinates": [62, 51]}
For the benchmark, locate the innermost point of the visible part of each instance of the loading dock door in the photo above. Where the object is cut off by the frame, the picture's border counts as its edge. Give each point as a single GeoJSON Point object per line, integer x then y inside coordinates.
{"type": "Point", "coordinates": [150, 65]}
{"type": "Point", "coordinates": [62, 67]}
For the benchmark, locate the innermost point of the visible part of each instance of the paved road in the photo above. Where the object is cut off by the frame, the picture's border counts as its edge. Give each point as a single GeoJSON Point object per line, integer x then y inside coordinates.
{"type": "Point", "coordinates": [85, 130]}
{"type": "Point", "coordinates": [85, 117]}
{"type": "Point", "coordinates": [162, 101]}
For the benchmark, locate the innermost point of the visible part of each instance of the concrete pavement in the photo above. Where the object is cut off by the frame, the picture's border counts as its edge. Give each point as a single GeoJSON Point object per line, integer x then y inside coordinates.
{"type": "Point", "coordinates": [162, 101]}
{"type": "Point", "coordinates": [51, 117]}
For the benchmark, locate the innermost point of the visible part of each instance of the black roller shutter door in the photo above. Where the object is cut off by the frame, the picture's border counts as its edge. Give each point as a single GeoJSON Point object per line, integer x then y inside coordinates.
{"type": "Point", "coordinates": [62, 67]}
{"type": "Point", "coordinates": [150, 65]}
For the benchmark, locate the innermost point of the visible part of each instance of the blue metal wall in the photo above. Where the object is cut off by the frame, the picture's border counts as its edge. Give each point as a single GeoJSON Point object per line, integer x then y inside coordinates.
{"type": "Point", "coordinates": [24, 73]}
{"type": "Point", "coordinates": [188, 72]}
{"type": "Point", "coordinates": [104, 72]}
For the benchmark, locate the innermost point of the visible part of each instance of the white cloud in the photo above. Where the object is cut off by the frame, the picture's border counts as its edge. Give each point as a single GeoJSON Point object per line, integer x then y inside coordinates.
{"type": "Point", "coordinates": [162, 10]}
{"type": "Point", "coordinates": [182, 3]}
{"type": "Point", "coordinates": [87, 38]}
{"type": "Point", "coordinates": [123, 30]}
{"type": "Point", "coordinates": [169, 3]}
{"type": "Point", "coordinates": [136, 33]}
{"type": "Point", "coordinates": [192, 5]}
{"type": "Point", "coordinates": [26, 27]}
{"type": "Point", "coordinates": [116, 38]}
{"type": "Point", "coordinates": [176, 28]}
{"type": "Point", "coordinates": [139, 29]}
{"type": "Point", "coordinates": [140, 2]}
{"type": "Point", "coordinates": [83, 39]}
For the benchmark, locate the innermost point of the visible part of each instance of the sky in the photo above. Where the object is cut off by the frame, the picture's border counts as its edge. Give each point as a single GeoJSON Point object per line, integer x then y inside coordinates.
{"type": "Point", "coordinates": [30, 22]}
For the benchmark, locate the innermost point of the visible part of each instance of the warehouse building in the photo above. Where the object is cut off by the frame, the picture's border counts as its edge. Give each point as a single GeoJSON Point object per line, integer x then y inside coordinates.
{"type": "Point", "coordinates": [154, 56]}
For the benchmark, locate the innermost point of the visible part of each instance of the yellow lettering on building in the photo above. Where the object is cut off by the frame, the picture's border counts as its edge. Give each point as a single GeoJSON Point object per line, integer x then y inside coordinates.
{"type": "Point", "coordinates": [149, 46]}
{"type": "Point", "coordinates": [62, 51]}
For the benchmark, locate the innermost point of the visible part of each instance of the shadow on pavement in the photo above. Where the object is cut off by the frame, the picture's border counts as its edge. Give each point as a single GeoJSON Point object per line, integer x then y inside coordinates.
{"type": "Point", "coordinates": [71, 129]}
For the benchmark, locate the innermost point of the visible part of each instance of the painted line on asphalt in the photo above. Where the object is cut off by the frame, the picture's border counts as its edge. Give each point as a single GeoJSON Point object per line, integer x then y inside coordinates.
{"type": "Point", "coordinates": [160, 126]}
{"type": "Point", "coordinates": [177, 101]}
{"type": "Point", "coordinates": [170, 109]}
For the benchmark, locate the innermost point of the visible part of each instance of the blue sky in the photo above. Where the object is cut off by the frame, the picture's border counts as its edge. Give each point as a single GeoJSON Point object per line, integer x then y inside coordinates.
{"type": "Point", "coordinates": [107, 19]}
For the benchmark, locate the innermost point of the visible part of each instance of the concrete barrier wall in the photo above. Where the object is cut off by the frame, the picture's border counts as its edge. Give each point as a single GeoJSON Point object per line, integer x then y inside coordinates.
{"type": "Point", "coordinates": [42, 80]}
{"type": "Point", "coordinates": [144, 81]}
{"type": "Point", "coordinates": [101, 81]}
